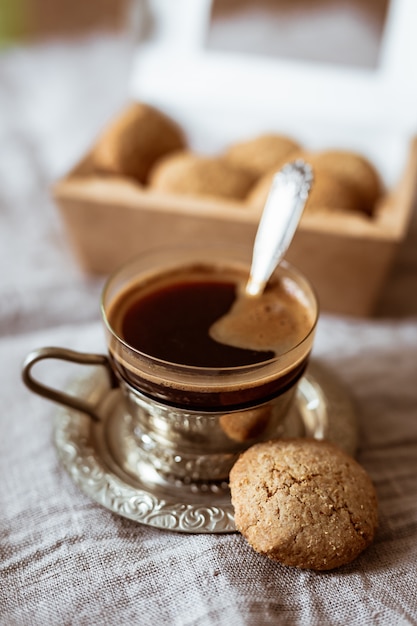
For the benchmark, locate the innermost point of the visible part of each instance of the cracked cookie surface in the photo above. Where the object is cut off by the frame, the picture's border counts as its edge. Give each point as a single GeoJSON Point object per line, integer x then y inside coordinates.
{"type": "Point", "coordinates": [304, 503]}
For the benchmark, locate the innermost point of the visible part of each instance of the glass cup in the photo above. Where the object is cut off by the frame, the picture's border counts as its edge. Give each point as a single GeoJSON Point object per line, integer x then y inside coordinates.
{"type": "Point", "coordinates": [190, 422]}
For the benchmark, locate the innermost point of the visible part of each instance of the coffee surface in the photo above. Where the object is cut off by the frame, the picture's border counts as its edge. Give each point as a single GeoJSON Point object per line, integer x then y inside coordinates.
{"type": "Point", "coordinates": [196, 317]}
{"type": "Point", "coordinates": [172, 323]}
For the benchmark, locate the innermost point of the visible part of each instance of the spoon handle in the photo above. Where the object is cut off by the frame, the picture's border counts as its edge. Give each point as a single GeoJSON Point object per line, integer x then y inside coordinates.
{"type": "Point", "coordinates": [281, 214]}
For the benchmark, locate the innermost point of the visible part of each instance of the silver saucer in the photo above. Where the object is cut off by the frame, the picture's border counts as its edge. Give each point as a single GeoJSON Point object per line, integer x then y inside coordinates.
{"type": "Point", "coordinates": [89, 452]}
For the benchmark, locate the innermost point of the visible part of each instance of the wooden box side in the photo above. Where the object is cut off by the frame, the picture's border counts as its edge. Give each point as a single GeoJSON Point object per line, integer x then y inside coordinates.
{"type": "Point", "coordinates": [347, 257]}
{"type": "Point", "coordinates": [109, 221]}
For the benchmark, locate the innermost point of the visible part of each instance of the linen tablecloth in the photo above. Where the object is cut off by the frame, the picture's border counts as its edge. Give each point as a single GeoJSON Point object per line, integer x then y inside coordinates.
{"type": "Point", "coordinates": [65, 559]}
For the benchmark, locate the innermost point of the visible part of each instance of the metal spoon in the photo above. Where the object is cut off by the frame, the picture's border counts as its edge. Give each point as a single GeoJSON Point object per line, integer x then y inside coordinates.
{"type": "Point", "coordinates": [280, 217]}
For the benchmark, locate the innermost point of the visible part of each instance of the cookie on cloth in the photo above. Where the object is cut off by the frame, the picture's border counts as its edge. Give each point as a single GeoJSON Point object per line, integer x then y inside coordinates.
{"type": "Point", "coordinates": [131, 144]}
{"type": "Point", "coordinates": [191, 174]}
{"type": "Point", "coordinates": [262, 154]}
{"type": "Point", "coordinates": [304, 503]}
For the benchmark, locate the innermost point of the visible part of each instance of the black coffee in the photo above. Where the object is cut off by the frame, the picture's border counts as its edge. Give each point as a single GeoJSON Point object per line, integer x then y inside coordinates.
{"type": "Point", "coordinates": [194, 316]}
{"type": "Point", "coordinates": [172, 323]}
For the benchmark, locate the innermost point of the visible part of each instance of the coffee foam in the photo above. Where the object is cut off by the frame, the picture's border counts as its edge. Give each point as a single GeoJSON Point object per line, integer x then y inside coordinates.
{"type": "Point", "coordinates": [276, 320]}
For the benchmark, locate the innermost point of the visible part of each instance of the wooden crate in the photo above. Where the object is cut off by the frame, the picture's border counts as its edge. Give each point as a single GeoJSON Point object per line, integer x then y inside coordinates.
{"type": "Point", "coordinates": [346, 256]}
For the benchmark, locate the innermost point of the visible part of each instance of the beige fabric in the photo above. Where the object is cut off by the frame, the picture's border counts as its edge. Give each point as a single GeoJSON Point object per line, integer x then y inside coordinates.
{"type": "Point", "coordinates": [64, 559]}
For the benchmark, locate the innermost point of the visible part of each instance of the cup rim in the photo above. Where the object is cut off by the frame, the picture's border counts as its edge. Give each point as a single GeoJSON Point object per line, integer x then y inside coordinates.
{"type": "Point", "coordinates": [197, 369]}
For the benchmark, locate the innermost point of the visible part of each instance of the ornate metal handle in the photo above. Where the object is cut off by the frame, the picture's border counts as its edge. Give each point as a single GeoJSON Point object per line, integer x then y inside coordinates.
{"type": "Point", "coordinates": [59, 396]}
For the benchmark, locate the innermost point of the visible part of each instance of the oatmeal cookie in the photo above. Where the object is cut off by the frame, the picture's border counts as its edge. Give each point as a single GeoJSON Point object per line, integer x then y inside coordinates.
{"type": "Point", "coordinates": [263, 153]}
{"type": "Point", "coordinates": [328, 193]}
{"type": "Point", "coordinates": [304, 503]}
{"type": "Point", "coordinates": [191, 174]}
{"type": "Point", "coordinates": [354, 170]}
{"type": "Point", "coordinates": [131, 144]}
